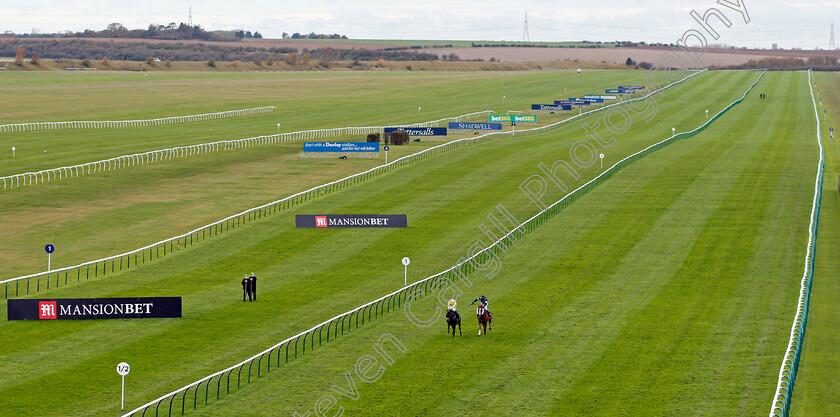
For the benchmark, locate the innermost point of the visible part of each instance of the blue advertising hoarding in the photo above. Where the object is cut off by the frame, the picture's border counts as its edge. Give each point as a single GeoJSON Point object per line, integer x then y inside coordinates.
{"type": "Point", "coordinates": [341, 147]}
{"type": "Point", "coordinates": [596, 99]}
{"type": "Point", "coordinates": [631, 87]}
{"type": "Point", "coordinates": [550, 107]}
{"type": "Point", "coordinates": [474, 126]}
{"type": "Point", "coordinates": [588, 100]}
{"type": "Point", "coordinates": [419, 131]}
{"type": "Point", "coordinates": [562, 102]}
{"type": "Point", "coordinates": [619, 91]}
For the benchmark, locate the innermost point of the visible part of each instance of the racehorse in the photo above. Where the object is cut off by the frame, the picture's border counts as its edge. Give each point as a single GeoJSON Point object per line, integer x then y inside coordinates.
{"type": "Point", "coordinates": [483, 319]}
{"type": "Point", "coordinates": [453, 319]}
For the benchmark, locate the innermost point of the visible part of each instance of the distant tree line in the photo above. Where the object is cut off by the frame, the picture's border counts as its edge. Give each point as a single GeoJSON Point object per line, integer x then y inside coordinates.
{"type": "Point", "coordinates": [171, 31]}
{"type": "Point", "coordinates": [141, 51]}
{"type": "Point", "coordinates": [817, 63]}
{"type": "Point", "coordinates": [138, 51]}
{"type": "Point", "coordinates": [35, 35]}
{"type": "Point", "coordinates": [246, 34]}
{"type": "Point", "coordinates": [313, 35]}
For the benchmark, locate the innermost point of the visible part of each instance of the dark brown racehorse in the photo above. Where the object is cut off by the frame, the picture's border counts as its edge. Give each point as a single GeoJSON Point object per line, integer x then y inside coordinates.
{"type": "Point", "coordinates": [483, 319]}
{"type": "Point", "coordinates": [453, 319]}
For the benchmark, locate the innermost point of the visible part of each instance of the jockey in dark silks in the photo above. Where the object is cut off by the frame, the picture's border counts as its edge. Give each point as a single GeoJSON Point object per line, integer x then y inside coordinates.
{"type": "Point", "coordinates": [485, 303]}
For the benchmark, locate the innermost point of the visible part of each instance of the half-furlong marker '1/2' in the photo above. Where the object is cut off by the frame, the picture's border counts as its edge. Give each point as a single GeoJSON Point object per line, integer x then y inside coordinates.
{"type": "Point", "coordinates": [123, 369]}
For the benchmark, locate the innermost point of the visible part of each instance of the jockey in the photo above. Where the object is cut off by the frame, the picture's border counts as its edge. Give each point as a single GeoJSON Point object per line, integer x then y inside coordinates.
{"type": "Point", "coordinates": [484, 302]}
{"type": "Point", "coordinates": [452, 306]}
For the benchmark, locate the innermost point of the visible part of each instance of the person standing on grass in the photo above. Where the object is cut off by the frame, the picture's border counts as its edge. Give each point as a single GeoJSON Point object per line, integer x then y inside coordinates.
{"type": "Point", "coordinates": [253, 282]}
{"type": "Point", "coordinates": [246, 288]}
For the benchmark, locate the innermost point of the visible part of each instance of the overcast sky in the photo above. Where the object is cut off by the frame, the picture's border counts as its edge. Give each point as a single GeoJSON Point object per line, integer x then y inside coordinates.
{"type": "Point", "coordinates": [789, 23]}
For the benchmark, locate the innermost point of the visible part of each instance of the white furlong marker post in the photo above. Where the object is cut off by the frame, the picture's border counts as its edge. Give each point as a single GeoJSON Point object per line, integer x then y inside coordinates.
{"type": "Point", "coordinates": [123, 369]}
{"type": "Point", "coordinates": [673, 131]}
{"type": "Point", "coordinates": [49, 249]}
{"type": "Point", "coordinates": [405, 262]}
{"type": "Point", "coordinates": [707, 115]}
{"type": "Point", "coordinates": [602, 160]}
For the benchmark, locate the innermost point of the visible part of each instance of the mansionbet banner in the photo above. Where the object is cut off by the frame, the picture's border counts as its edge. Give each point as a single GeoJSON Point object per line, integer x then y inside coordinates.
{"type": "Point", "coordinates": [351, 220]}
{"type": "Point", "coordinates": [95, 308]}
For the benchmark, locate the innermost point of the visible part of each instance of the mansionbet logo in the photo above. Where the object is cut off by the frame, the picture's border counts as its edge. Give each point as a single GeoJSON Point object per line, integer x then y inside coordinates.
{"type": "Point", "coordinates": [351, 220]}
{"type": "Point", "coordinates": [93, 308]}
{"type": "Point", "coordinates": [47, 310]}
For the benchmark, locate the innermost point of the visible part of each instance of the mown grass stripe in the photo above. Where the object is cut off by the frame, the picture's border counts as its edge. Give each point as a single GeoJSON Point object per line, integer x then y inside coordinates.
{"type": "Point", "coordinates": [530, 224]}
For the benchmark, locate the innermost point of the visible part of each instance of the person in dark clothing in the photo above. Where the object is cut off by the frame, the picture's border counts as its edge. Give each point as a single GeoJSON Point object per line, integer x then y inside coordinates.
{"type": "Point", "coordinates": [485, 302]}
{"type": "Point", "coordinates": [253, 282]}
{"type": "Point", "coordinates": [246, 288]}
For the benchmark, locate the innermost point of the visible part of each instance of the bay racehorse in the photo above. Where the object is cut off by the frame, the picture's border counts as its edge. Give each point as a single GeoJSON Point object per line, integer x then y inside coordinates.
{"type": "Point", "coordinates": [453, 319]}
{"type": "Point", "coordinates": [483, 319]}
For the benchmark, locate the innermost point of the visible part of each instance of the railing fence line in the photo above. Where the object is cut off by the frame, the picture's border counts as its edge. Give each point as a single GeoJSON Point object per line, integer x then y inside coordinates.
{"type": "Point", "coordinates": [790, 363]}
{"type": "Point", "coordinates": [105, 124]}
{"type": "Point", "coordinates": [383, 305]}
{"type": "Point", "coordinates": [153, 251]}
{"type": "Point", "coordinates": [207, 147]}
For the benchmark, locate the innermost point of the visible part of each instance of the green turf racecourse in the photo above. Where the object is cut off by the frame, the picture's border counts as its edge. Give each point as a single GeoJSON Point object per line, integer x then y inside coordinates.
{"type": "Point", "coordinates": [817, 391]}
{"type": "Point", "coordinates": [132, 208]}
{"type": "Point", "coordinates": [667, 290]}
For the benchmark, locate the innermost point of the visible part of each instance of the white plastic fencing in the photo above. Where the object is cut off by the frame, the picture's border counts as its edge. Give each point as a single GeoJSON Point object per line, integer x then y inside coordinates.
{"type": "Point", "coordinates": [790, 363]}
{"type": "Point", "coordinates": [494, 246]}
{"type": "Point", "coordinates": [73, 171]}
{"type": "Point", "coordinates": [116, 124]}
{"type": "Point", "coordinates": [315, 191]}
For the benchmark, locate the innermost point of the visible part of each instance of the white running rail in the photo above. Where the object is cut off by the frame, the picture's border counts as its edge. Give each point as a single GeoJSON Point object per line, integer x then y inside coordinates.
{"type": "Point", "coordinates": [72, 171]}
{"type": "Point", "coordinates": [790, 363]}
{"type": "Point", "coordinates": [324, 188]}
{"type": "Point", "coordinates": [116, 124]}
{"type": "Point", "coordinates": [461, 264]}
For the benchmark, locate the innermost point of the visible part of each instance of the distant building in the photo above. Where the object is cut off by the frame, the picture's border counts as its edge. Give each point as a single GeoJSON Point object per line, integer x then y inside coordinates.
{"type": "Point", "coordinates": [775, 46]}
